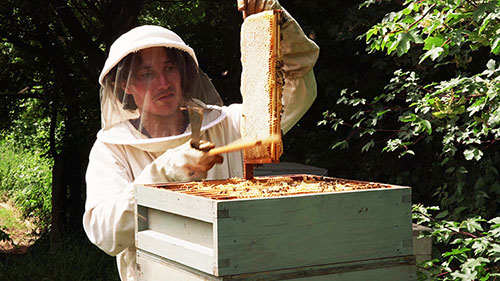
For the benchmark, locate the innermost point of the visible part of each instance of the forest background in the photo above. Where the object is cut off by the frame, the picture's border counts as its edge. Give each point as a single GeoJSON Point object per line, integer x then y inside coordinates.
{"type": "Point", "coordinates": [407, 95]}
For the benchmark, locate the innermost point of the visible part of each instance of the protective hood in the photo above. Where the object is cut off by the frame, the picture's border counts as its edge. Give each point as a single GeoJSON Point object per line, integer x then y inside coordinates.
{"type": "Point", "coordinates": [148, 80]}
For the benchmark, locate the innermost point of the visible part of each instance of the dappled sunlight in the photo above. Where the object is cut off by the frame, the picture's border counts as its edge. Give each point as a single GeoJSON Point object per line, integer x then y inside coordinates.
{"type": "Point", "coordinates": [20, 234]}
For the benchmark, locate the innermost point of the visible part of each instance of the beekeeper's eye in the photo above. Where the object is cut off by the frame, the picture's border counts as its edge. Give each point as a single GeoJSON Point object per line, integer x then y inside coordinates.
{"type": "Point", "coordinates": [146, 75]}
{"type": "Point", "coordinates": [170, 67]}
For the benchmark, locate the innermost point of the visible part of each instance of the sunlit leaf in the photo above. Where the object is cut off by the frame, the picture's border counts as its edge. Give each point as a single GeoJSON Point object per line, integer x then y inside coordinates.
{"type": "Point", "coordinates": [433, 42]}
{"type": "Point", "coordinates": [495, 45]}
{"type": "Point", "coordinates": [433, 53]}
{"type": "Point", "coordinates": [367, 146]}
{"type": "Point", "coordinates": [403, 45]}
{"type": "Point", "coordinates": [473, 153]}
{"type": "Point", "coordinates": [341, 145]}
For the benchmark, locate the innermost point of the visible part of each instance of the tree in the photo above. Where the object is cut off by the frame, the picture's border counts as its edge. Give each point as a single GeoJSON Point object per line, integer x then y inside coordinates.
{"type": "Point", "coordinates": [440, 111]}
{"type": "Point", "coordinates": [53, 52]}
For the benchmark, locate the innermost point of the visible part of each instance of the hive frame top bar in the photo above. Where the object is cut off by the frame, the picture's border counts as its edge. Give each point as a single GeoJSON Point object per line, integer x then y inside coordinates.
{"type": "Point", "coordinates": [190, 188]}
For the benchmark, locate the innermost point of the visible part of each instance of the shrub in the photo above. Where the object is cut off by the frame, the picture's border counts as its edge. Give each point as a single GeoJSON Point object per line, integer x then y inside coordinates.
{"type": "Point", "coordinates": [467, 250]}
{"type": "Point", "coordinates": [440, 112]}
{"type": "Point", "coordinates": [26, 178]}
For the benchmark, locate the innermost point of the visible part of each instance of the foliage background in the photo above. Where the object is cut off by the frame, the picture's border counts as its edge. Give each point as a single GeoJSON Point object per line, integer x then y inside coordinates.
{"type": "Point", "coordinates": [383, 113]}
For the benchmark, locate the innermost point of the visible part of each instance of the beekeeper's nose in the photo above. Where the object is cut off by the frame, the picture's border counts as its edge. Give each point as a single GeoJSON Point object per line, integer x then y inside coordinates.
{"type": "Point", "coordinates": [162, 79]}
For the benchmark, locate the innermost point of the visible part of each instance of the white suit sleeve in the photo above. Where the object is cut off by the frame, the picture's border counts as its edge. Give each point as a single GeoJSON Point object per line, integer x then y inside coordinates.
{"type": "Point", "coordinates": [109, 209]}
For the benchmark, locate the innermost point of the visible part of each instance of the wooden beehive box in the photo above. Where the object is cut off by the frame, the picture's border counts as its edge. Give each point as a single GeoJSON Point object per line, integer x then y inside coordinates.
{"type": "Point", "coordinates": [347, 234]}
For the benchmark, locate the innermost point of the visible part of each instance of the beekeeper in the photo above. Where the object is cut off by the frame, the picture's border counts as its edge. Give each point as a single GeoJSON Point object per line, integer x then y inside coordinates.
{"type": "Point", "coordinates": [149, 76]}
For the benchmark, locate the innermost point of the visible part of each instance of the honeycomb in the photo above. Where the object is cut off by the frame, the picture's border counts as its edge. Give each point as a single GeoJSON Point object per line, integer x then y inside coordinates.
{"type": "Point", "coordinates": [260, 187]}
{"type": "Point", "coordinates": [261, 84]}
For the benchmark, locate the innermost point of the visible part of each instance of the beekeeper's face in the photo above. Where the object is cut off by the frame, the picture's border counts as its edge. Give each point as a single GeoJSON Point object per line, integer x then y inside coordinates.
{"type": "Point", "coordinates": [155, 83]}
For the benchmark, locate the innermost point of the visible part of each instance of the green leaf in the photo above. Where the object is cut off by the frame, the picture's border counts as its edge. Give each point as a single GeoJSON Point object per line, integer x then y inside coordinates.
{"type": "Point", "coordinates": [403, 45]}
{"type": "Point", "coordinates": [459, 109]}
{"type": "Point", "coordinates": [409, 118]}
{"type": "Point", "coordinates": [483, 26]}
{"type": "Point", "coordinates": [495, 221]}
{"type": "Point", "coordinates": [461, 170]}
{"type": "Point", "coordinates": [411, 152]}
{"type": "Point", "coordinates": [442, 214]}
{"type": "Point", "coordinates": [473, 153]}
{"type": "Point", "coordinates": [367, 146]}
{"type": "Point", "coordinates": [485, 278]}
{"type": "Point", "coordinates": [491, 64]}
{"type": "Point", "coordinates": [367, 131]}
{"type": "Point", "coordinates": [472, 224]}
{"type": "Point", "coordinates": [495, 232]}
{"type": "Point", "coordinates": [415, 36]}
{"type": "Point", "coordinates": [480, 12]}
{"type": "Point", "coordinates": [393, 44]}
{"type": "Point", "coordinates": [427, 126]}
{"type": "Point", "coordinates": [433, 42]}
{"type": "Point", "coordinates": [494, 119]}
{"type": "Point", "coordinates": [439, 114]}
{"type": "Point", "coordinates": [380, 113]}
{"type": "Point", "coordinates": [450, 170]}
{"type": "Point", "coordinates": [455, 252]}
{"type": "Point", "coordinates": [477, 106]}
{"type": "Point", "coordinates": [434, 53]}
{"type": "Point", "coordinates": [341, 145]}
{"type": "Point", "coordinates": [366, 4]}
{"type": "Point", "coordinates": [495, 44]}
{"type": "Point", "coordinates": [474, 263]}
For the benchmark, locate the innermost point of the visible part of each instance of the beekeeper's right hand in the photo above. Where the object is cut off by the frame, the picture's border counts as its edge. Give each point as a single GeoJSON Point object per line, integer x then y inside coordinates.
{"type": "Point", "coordinates": [249, 7]}
{"type": "Point", "coordinates": [180, 164]}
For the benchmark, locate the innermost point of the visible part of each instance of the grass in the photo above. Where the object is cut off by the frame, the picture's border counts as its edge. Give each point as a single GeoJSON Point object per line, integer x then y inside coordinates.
{"type": "Point", "coordinates": [26, 181]}
{"type": "Point", "coordinates": [76, 259]}
{"type": "Point", "coordinates": [25, 185]}
{"type": "Point", "coordinates": [9, 221]}
{"type": "Point", "coordinates": [16, 233]}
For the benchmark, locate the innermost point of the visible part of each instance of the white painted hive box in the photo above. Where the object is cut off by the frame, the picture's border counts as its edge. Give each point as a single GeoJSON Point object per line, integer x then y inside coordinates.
{"type": "Point", "coordinates": [242, 236]}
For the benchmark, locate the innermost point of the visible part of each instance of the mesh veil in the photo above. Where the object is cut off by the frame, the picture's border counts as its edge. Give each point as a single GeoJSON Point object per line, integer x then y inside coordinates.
{"type": "Point", "coordinates": [148, 78]}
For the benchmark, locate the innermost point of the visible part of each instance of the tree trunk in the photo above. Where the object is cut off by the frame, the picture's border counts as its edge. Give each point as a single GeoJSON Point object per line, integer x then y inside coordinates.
{"type": "Point", "coordinates": [57, 210]}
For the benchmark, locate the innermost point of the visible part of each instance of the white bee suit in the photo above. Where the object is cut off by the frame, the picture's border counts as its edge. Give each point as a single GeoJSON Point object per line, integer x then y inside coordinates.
{"type": "Point", "coordinates": [122, 156]}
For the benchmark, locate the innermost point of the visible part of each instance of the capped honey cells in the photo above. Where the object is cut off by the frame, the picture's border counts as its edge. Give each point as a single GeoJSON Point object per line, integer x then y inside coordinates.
{"type": "Point", "coordinates": [262, 84]}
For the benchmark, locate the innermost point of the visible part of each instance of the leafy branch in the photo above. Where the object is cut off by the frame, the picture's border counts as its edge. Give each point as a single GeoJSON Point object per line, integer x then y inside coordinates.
{"type": "Point", "coordinates": [474, 242]}
{"type": "Point", "coordinates": [442, 107]}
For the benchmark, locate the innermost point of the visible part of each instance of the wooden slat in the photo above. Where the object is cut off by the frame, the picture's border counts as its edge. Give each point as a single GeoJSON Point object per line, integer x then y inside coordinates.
{"type": "Point", "coordinates": [152, 267]}
{"type": "Point", "coordinates": [192, 230]}
{"type": "Point", "coordinates": [174, 202]}
{"type": "Point", "coordinates": [178, 250]}
{"type": "Point", "coordinates": [403, 273]}
{"type": "Point", "coordinates": [394, 268]}
{"type": "Point", "coordinates": [306, 230]}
